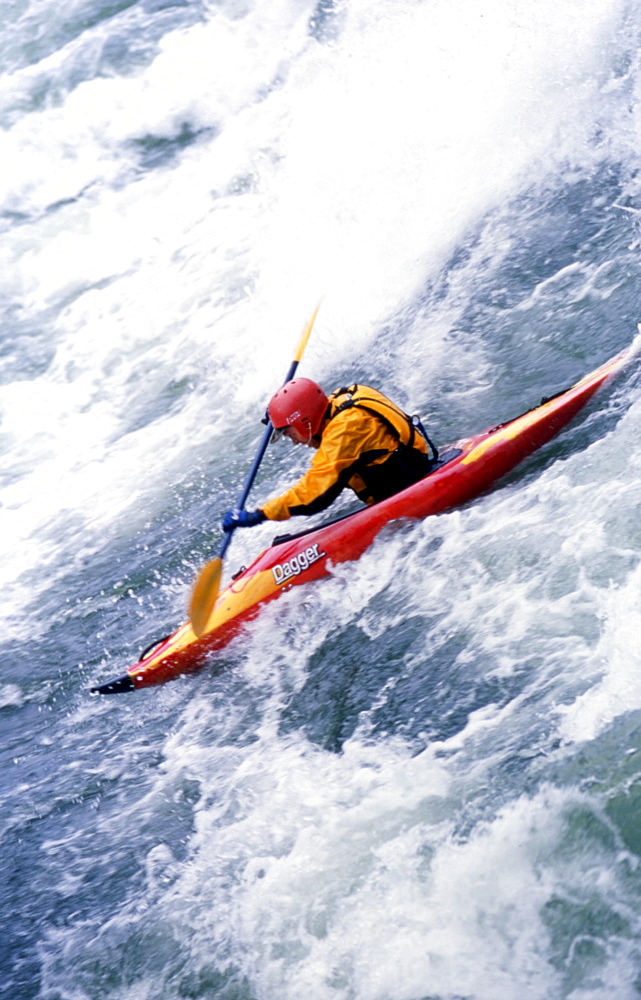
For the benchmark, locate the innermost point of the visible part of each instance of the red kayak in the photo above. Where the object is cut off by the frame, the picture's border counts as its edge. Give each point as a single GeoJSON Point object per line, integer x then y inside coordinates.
{"type": "Point", "coordinates": [465, 470]}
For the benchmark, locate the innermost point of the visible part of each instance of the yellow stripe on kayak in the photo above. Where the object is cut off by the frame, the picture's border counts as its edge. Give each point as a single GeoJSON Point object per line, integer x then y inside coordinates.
{"type": "Point", "coordinates": [532, 417]}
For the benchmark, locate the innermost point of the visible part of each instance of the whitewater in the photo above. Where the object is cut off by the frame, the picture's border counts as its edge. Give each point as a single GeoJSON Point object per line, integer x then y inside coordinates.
{"type": "Point", "coordinates": [419, 779]}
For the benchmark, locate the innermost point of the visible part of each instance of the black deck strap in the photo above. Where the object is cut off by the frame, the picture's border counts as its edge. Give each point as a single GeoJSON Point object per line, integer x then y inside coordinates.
{"type": "Point", "coordinates": [152, 645]}
{"type": "Point", "coordinates": [548, 399]}
{"type": "Point", "coordinates": [544, 400]}
{"type": "Point", "coordinates": [447, 456]}
{"type": "Point", "coordinates": [280, 539]}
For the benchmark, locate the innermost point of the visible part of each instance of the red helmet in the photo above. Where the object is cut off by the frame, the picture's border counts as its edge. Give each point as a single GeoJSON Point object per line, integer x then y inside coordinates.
{"type": "Point", "coordinates": [300, 404]}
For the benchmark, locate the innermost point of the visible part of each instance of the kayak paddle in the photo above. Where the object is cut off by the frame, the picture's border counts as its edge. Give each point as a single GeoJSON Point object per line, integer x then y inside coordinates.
{"type": "Point", "coordinates": [207, 586]}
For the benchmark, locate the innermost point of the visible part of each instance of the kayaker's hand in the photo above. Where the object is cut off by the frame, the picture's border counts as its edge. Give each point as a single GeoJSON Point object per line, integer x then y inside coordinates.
{"type": "Point", "coordinates": [242, 519]}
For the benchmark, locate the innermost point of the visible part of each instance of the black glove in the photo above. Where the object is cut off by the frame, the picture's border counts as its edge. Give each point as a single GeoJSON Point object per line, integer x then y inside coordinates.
{"type": "Point", "coordinates": [242, 519]}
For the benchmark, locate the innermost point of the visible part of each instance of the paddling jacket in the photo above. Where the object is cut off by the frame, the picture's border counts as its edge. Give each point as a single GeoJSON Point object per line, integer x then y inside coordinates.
{"type": "Point", "coordinates": [366, 443]}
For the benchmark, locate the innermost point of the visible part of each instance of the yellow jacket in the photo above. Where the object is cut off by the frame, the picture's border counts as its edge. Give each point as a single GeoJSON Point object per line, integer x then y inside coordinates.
{"type": "Point", "coordinates": [362, 428]}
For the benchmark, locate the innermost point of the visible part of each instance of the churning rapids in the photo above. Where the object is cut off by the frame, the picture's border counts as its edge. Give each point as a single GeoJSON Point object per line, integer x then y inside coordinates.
{"type": "Point", "coordinates": [421, 778]}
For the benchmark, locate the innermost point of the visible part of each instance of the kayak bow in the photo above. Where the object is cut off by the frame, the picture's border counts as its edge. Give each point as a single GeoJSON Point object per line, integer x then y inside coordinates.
{"type": "Point", "coordinates": [465, 470]}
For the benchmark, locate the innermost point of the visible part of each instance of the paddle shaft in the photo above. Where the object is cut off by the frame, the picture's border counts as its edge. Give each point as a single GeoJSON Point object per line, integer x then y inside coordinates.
{"type": "Point", "coordinates": [249, 482]}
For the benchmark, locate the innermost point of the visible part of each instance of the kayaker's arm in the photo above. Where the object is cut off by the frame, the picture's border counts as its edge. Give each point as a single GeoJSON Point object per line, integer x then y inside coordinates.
{"type": "Point", "coordinates": [346, 441]}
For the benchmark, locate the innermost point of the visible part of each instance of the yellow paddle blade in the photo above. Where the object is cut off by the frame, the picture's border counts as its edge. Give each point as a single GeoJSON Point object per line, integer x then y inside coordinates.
{"type": "Point", "coordinates": [204, 595]}
{"type": "Point", "coordinates": [306, 334]}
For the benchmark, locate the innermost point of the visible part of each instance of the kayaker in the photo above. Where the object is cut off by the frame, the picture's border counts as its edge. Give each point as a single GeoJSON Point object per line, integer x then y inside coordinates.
{"type": "Point", "coordinates": [362, 440]}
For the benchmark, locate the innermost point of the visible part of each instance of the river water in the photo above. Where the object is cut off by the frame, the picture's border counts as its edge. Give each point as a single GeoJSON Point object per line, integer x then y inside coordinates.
{"type": "Point", "coordinates": [419, 779]}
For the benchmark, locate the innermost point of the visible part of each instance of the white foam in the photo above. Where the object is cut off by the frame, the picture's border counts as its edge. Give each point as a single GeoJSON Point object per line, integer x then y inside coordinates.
{"type": "Point", "coordinates": [354, 170]}
{"type": "Point", "coordinates": [414, 128]}
{"type": "Point", "coordinates": [618, 691]}
{"type": "Point", "coordinates": [10, 696]}
{"type": "Point", "coordinates": [342, 863]}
